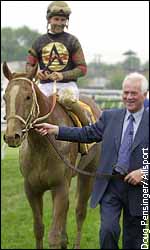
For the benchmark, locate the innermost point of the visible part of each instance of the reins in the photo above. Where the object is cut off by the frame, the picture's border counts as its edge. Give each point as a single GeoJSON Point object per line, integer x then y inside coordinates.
{"type": "Point", "coordinates": [80, 171]}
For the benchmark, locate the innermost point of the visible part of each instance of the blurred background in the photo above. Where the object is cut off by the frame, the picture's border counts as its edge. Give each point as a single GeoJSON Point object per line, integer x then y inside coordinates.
{"type": "Point", "coordinates": [114, 36]}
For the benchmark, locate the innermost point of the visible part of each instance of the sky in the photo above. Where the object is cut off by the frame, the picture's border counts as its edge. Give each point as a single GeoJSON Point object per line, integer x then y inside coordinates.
{"type": "Point", "coordinates": [105, 29]}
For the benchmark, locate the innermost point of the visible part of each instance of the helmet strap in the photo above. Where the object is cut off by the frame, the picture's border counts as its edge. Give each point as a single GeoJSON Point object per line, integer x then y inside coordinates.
{"type": "Point", "coordinates": [48, 27]}
{"type": "Point", "coordinates": [67, 24]}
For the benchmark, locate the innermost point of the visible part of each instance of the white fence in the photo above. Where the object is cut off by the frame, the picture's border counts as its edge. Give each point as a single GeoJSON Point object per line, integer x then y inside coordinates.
{"type": "Point", "coordinates": [105, 98]}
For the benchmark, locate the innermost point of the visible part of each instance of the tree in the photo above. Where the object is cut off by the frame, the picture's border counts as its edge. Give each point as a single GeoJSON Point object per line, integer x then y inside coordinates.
{"type": "Point", "coordinates": [116, 77]}
{"type": "Point", "coordinates": [16, 42]}
{"type": "Point", "coordinates": [9, 45]}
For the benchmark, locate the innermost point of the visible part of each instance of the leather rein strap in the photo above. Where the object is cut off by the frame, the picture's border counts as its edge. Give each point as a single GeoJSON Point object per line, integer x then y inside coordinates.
{"type": "Point", "coordinates": [69, 165]}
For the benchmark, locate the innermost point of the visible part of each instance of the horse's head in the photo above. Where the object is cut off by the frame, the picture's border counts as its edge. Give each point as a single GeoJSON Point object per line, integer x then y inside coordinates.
{"type": "Point", "coordinates": [20, 104]}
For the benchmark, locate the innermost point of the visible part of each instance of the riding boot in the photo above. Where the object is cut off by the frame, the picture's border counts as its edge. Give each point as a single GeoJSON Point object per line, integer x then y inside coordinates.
{"type": "Point", "coordinates": [84, 115]}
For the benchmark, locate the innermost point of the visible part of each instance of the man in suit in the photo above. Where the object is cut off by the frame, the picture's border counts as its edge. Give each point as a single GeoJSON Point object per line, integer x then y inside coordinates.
{"type": "Point", "coordinates": [124, 134]}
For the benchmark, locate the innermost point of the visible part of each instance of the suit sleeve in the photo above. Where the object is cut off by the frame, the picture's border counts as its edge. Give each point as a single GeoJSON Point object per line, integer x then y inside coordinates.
{"type": "Point", "coordinates": [87, 134]}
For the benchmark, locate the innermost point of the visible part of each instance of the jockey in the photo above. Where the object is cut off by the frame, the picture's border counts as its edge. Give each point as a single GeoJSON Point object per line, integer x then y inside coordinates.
{"type": "Point", "coordinates": [60, 58]}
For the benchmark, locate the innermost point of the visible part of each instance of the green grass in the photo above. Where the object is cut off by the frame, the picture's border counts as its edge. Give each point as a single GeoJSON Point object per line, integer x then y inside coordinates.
{"type": "Point", "coordinates": [16, 232]}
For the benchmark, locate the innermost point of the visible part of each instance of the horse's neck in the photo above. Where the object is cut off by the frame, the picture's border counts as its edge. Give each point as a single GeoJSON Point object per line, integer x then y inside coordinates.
{"type": "Point", "coordinates": [58, 115]}
{"type": "Point", "coordinates": [43, 101]}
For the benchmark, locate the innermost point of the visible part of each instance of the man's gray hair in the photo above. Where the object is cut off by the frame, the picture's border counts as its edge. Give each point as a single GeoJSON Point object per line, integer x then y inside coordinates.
{"type": "Point", "coordinates": [135, 76]}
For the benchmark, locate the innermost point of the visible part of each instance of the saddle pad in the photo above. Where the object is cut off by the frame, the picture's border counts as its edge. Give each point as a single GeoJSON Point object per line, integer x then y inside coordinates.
{"type": "Point", "coordinates": [87, 107]}
{"type": "Point", "coordinates": [83, 147]}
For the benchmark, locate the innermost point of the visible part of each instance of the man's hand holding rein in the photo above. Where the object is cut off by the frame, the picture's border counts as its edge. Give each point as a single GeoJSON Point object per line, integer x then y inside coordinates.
{"type": "Point", "coordinates": [46, 128]}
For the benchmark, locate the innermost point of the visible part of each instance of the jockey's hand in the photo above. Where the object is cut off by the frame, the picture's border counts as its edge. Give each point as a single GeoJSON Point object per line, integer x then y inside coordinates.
{"type": "Point", "coordinates": [57, 76]}
{"type": "Point", "coordinates": [46, 128]}
{"type": "Point", "coordinates": [44, 75]}
{"type": "Point", "coordinates": [135, 177]}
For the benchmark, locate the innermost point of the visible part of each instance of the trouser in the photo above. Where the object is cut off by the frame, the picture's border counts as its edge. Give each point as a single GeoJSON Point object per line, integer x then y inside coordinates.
{"type": "Point", "coordinates": [68, 96]}
{"type": "Point", "coordinates": [62, 89]}
{"type": "Point", "coordinates": [115, 198]}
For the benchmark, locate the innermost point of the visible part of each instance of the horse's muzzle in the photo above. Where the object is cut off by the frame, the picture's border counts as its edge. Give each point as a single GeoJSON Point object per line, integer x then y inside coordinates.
{"type": "Point", "coordinates": [13, 140]}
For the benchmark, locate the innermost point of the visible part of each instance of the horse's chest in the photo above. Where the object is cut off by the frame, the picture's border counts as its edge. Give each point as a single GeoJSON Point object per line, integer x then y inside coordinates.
{"type": "Point", "coordinates": [40, 166]}
{"type": "Point", "coordinates": [40, 172]}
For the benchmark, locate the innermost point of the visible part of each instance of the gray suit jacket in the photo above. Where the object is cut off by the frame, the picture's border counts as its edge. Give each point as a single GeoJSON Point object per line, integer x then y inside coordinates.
{"type": "Point", "coordinates": [108, 129]}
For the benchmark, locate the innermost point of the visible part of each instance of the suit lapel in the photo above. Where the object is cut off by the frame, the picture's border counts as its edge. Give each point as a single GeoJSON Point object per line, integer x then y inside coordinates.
{"type": "Point", "coordinates": [118, 131]}
{"type": "Point", "coordinates": [139, 134]}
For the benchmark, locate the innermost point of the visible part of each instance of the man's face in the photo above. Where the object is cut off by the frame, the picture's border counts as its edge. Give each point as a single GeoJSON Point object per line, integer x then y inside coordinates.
{"type": "Point", "coordinates": [133, 97]}
{"type": "Point", "coordinates": [57, 23]}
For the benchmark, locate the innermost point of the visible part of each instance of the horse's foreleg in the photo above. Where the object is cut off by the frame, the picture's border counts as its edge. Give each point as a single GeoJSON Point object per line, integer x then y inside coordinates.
{"type": "Point", "coordinates": [83, 192]}
{"type": "Point", "coordinates": [36, 203]}
{"type": "Point", "coordinates": [60, 208]}
{"type": "Point", "coordinates": [64, 236]}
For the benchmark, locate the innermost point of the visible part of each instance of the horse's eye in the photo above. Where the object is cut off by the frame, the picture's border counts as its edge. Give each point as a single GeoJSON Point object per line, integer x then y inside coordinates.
{"type": "Point", "coordinates": [28, 97]}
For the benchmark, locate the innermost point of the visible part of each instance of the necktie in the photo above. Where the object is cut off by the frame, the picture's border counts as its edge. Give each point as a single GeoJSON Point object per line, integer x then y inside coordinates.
{"type": "Point", "coordinates": [123, 161]}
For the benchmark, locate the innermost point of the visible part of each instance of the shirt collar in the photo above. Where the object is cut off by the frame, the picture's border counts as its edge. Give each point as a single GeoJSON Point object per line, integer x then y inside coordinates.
{"type": "Point", "coordinates": [137, 115]}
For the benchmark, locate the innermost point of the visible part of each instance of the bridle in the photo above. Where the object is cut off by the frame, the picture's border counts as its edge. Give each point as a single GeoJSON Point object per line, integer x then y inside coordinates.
{"type": "Point", "coordinates": [33, 116]}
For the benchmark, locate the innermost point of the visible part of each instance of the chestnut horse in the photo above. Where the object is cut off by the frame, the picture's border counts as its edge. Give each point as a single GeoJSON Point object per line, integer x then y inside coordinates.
{"type": "Point", "coordinates": [40, 164]}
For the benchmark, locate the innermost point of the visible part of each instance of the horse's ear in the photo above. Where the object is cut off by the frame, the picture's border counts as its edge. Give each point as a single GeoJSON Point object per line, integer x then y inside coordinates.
{"type": "Point", "coordinates": [33, 72]}
{"type": "Point", "coordinates": [7, 72]}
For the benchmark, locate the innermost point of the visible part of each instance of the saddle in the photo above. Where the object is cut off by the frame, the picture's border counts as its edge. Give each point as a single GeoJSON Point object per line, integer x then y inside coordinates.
{"type": "Point", "coordinates": [81, 115]}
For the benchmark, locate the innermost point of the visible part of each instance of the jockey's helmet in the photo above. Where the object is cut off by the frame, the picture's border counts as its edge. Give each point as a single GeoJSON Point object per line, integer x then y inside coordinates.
{"type": "Point", "coordinates": [58, 8]}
